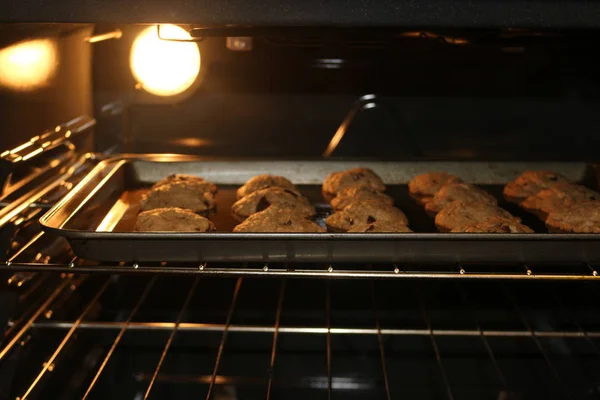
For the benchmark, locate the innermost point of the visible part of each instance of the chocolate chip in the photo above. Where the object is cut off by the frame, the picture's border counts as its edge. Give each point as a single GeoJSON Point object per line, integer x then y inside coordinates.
{"type": "Point", "coordinates": [288, 221]}
{"type": "Point", "coordinates": [358, 176]}
{"type": "Point", "coordinates": [553, 178]}
{"type": "Point", "coordinates": [370, 220]}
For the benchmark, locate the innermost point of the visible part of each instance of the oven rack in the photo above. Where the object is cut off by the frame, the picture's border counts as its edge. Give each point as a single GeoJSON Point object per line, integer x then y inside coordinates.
{"type": "Point", "coordinates": [374, 321]}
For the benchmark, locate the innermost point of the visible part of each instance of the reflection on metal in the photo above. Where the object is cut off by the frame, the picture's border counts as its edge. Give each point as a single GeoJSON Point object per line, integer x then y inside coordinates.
{"type": "Point", "coordinates": [314, 330]}
{"type": "Point", "coordinates": [363, 103]}
{"type": "Point", "coordinates": [164, 67]}
{"type": "Point", "coordinates": [28, 65]}
{"type": "Point", "coordinates": [116, 34]}
{"type": "Point", "coordinates": [497, 272]}
{"type": "Point", "coordinates": [239, 43]}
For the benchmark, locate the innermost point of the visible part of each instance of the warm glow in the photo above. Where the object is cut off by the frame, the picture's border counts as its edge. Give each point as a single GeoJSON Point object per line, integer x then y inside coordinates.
{"type": "Point", "coordinates": [162, 67]}
{"type": "Point", "coordinates": [28, 65]}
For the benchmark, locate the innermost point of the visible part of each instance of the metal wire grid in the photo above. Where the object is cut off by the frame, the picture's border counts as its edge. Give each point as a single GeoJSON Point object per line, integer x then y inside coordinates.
{"type": "Point", "coordinates": [544, 343]}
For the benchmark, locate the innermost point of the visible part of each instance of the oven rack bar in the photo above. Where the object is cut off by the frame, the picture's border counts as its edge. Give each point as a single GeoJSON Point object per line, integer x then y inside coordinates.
{"type": "Point", "coordinates": [584, 272]}
{"type": "Point", "coordinates": [311, 330]}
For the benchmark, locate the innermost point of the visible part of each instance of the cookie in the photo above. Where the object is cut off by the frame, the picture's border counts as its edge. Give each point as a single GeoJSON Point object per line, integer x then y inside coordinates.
{"type": "Point", "coordinates": [460, 215]}
{"type": "Point", "coordinates": [557, 197]}
{"type": "Point", "coordinates": [423, 187]}
{"type": "Point", "coordinates": [198, 196]}
{"type": "Point", "coordinates": [278, 219]}
{"type": "Point", "coordinates": [583, 217]}
{"type": "Point", "coordinates": [452, 192]}
{"type": "Point", "coordinates": [381, 227]}
{"type": "Point", "coordinates": [178, 178]}
{"type": "Point", "coordinates": [364, 212]}
{"type": "Point", "coordinates": [494, 225]}
{"type": "Point", "coordinates": [529, 183]}
{"type": "Point", "coordinates": [355, 177]}
{"type": "Point", "coordinates": [266, 181]}
{"type": "Point", "coordinates": [351, 195]}
{"type": "Point", "coordinates": [172, 220]}
{"type": "Point", "coordinates": [273, 196]}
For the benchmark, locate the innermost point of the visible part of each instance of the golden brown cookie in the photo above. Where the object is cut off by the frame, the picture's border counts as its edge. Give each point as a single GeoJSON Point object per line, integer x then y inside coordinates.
{"type": "Point", "coordinates": [355, 177]}
{"type": "Point", "coordinates": [198, 196]}
{"type": "Point", "coordinates": [278, 219]}
{"type": "Point", "coordinates": [381, 227]}
{"type": "Point", "coordinates": [266, 181]}
{"type": "Point", "coordinates": [459, 215]}
{"type": "Point", "coordinates": [364, 212]}
{"type": "Point", "coordinates": [172, 220]}
{"type": "Point", "coordinates": [273, 196]}
{"type": "Point", "coordinates": [423, 187]}
{"type": "Point", "coordinates": [180, 177]}
{"type": "Point", "coordinates": [557, 197]}
{"type": "Point", "coordinates": [351, 195]}
{"type": "Point", "coordinates": [494, 225]}
{"type": "Point", "coordinates": [452, 192]}
{"type": "Point", "coordinates": [583, 217]}
{"type": "Point", "coordinates": [530, 183]}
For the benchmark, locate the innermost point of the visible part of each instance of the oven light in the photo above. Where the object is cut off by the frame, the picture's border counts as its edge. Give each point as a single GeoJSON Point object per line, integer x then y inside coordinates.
{"type": "Point", "coordinates": [162, 67]}
{"type": "Point", "coordinates": [28, 65]}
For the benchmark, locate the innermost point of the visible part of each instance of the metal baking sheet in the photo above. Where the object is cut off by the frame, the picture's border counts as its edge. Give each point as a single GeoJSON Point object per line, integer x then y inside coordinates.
{"type": "Point", "coordinates": [98, 215]}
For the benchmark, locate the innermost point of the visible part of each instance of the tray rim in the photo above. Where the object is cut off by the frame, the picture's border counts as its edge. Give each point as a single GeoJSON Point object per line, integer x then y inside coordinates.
{"type": "Point", "coordinates": [321, 236]}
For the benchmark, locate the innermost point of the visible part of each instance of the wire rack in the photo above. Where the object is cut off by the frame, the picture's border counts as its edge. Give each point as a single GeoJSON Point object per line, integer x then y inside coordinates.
{"type": "Point", "coordinates": [255, 338]}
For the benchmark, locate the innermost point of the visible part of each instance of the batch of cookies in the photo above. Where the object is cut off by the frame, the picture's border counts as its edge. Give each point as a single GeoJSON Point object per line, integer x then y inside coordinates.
{"type": "Point", "coordinates": [269, 203]}
{"type": "Point", "coordinates": [178, 203]}
{"type": "Point", "coordinates": [462, 207]}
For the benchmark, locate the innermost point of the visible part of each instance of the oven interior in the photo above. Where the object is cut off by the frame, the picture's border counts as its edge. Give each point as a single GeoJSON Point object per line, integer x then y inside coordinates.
{"type": "Point", "coordinates": [75, 328]}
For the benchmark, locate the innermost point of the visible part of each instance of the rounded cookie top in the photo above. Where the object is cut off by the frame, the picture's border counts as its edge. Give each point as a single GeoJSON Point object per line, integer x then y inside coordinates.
{"type": "Point", "coordinates": [530, 183]}
{"type": "Point", "coordinates": [557, 197]}
{"type": "Point", "coordinates": [494, 225]}
{"type": "Point", "coordinates": [364, 212]}
{"type": "Point", "coordinates": [583, 217]}
{"type": "Point", "coordinates": [265, 181]}
{"type": "Point", "coordinates": [460, 214]}
{"type": "Point", "coordinates": [178, 178]}
{"type": "Point", "coordinates": [381, 227]}
{"type": "Point", "coordinates": [464, 192]}
{"type": "Point", "coordinates": [274, 197]}
{"type": "Point", "coordinates": [353, 194]}
{"type": "Point", "coordinates": [355, 177]}
{"type": "Point", "coordinates": [198, 196]}
{"type": "Point", "coordinates": [423, 187]}
{"type": "Point", "coordinates": [278, 219]}
{"type": "Point", "coordinates": [172, 220]}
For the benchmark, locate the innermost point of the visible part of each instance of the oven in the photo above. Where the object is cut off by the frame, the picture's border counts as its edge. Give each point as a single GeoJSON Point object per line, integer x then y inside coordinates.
{"type": "Point", "coordinates": [98, 100]}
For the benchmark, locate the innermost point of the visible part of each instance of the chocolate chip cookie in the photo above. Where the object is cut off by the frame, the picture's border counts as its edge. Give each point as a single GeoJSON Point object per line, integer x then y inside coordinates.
{"type": "Point", "coordinates": [278, 219]}
{"type": "Point", "coordinates": [583, 217]}
{"type": "Point", "coordinates": [423, 187]}
{"type": "Point", "coordinates": [494, 225]}
{"type": "Point", "coordinates": [381, 227]}
{"type": "Point", "coordinates": [198, 196]}
{"type": "Point", "coordinates": [557, 197]}
{"type": "Point", "coordinates": [364, 212]}
{"type": "Point", "coordinates": [355, 177]}
{"type": "Point", "coordinates": [452, 192]}
{"type": "Point", "coordinates": [172, 220]}
{"type": "Point", "coordinates": [530, 183]}
{"type": "Point", "coordinates": [178, 178]}
{"type": "Point", "coordinates": [460, 215]}
{"type": "Point", "coordinates": [266, 181]}
{"type": "Point", "coordinates": [274, 197]}
{"type": "Point", "coordinates": [351, 195]}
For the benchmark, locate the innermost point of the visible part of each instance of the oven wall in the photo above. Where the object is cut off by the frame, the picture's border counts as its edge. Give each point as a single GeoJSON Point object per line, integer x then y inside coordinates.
{"type": "Point", "coordinates": [46, 78]}
{"type": "Point", "coordinates": [479, 94]}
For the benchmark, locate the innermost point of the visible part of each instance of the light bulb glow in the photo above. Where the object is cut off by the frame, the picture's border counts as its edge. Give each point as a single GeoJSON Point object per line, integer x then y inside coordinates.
{"type": "Point", "coordinates": [162, 67]}
{"type": "Point", "coordinates": [28, 65]}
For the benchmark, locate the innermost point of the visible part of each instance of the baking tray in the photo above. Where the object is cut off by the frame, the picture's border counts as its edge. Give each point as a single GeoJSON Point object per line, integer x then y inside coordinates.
{"type": "Point", "coordinates": [98, 215]}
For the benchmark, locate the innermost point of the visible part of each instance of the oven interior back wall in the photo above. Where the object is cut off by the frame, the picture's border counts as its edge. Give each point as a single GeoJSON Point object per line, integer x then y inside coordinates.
{"type": "Point", "coordinates": [463, 94]}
